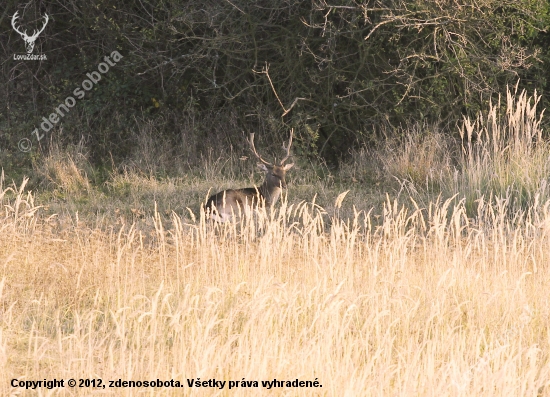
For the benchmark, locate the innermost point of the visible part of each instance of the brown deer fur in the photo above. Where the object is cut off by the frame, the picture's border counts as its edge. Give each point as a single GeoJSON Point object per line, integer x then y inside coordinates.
{"type": "Point", "coordinates": [224, 205]}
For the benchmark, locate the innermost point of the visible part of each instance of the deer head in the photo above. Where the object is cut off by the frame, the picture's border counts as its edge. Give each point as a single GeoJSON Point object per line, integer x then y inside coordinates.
{"type": "Point", "coordinates": [275, 173]}
{"type": "Point", "coordinates": [224, 205]}
{"type": "Point", "coordinates": [29, 40]}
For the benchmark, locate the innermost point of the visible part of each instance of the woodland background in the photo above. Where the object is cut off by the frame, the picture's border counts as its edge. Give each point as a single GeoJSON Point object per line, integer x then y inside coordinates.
{"type": "Point", "coordinates": [192, 82]}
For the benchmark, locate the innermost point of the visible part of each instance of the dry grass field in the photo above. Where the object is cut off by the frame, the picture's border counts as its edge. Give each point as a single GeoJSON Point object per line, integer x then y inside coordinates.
{"type": "Point", "coordinates": [444, 295]}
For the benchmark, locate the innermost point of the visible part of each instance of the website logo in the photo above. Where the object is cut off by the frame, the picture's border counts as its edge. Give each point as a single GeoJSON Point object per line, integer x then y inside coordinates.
{"type": "Point", "coordinates": [29, 40]}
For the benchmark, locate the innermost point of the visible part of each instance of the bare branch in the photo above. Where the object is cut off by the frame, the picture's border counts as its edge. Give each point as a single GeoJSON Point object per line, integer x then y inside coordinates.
{"type": "Point", "coordinates": [266, 72]}
{"type": "Point", "coordinates": [291, 106]}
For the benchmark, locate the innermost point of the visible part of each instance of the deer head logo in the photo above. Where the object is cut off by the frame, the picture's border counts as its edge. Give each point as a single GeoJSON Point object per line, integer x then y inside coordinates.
{"type": "Point", "coordinates": [29, 40]}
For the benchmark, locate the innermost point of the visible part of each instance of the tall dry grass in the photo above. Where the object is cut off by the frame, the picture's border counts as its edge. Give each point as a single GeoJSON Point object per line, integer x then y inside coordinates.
{"type": "Point", "coordinates": [501, 153]}
{"type": "Point", "coordinates": [417, 303]}
{"type": "Point", "coordinates": [504, 153]}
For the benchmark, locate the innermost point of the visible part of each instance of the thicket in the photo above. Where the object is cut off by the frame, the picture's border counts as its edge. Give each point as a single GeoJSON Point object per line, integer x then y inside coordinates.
{"type": "Point", "coordinates": [196, 76]}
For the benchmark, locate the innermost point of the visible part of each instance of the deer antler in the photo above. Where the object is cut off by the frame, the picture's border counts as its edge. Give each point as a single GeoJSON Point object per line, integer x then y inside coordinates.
{"type": "Point", "coordinates": [29, 40]}
{"type": "Point", "coordinates": [287, 148]}
{"type": "Point", "coordinates": [35, 32]}
{"type": "Point", "coordinates": [13, 19]}
{"type": "Point", "coordinates": [251, 141]}
{"type": "Point", "coordinates": [47, 18]}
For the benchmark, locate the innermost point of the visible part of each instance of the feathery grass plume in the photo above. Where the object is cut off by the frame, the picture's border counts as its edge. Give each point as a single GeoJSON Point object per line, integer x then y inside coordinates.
{"type": "Point", "coordinates": [422, 301]}
{"type": "Point", "coordinates": [504, 153]}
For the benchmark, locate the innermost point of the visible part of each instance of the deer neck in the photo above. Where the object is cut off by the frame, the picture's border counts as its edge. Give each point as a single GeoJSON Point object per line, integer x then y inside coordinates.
{"type": "Point", "coordinates": [270, 193]}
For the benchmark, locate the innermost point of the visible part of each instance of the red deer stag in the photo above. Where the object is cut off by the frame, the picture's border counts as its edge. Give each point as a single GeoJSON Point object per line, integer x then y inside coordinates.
{"type": "Point", "coordinates": [224, 205]}
{"type": "Point", "coordinates": [29, 40]}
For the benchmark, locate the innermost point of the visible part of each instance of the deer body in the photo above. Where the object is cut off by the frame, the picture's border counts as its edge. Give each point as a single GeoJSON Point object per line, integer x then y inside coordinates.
{"type": "Point", "coordinates": [228, 203]}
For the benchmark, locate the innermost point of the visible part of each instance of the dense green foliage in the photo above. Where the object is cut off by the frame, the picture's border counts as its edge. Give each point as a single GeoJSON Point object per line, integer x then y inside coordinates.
{"type": "Point", "coordinates": [194, 72]}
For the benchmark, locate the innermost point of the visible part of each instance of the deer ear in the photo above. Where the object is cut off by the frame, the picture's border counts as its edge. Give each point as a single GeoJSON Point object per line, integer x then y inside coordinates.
{"type": "Point", "coordinates": [263, 167]}
{"type": "Point", "coordinates": [288, 166]}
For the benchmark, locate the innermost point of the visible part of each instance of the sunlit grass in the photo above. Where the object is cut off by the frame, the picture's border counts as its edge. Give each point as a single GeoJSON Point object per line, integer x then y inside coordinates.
{"type": "Point", "coordinates": [424, 302]}
{"type": "Point", "coordinates": [441, 289]}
